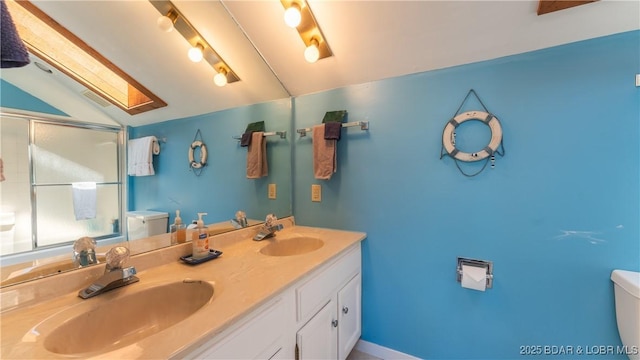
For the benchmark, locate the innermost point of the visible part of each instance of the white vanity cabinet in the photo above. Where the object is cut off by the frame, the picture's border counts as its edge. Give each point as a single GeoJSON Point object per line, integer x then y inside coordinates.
{"type": "Point", "coordinates": [260, 335]}
{"type": "Point", "coordinates": [318, 317]}
{"type": "Point", "coordinates": [328, 310]}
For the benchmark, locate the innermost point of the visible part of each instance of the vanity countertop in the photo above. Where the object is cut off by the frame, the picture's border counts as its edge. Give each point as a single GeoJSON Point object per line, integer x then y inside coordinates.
{"type": "Point", "coordinates": [244, 279]}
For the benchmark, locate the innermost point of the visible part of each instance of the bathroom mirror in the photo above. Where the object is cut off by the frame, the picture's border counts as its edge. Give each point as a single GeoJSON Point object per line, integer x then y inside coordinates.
{"type": "Point", "coordinates": [220, 191]}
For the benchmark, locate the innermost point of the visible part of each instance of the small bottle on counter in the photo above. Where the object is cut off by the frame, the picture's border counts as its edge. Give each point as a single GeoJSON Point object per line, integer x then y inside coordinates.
{"type": "Point", "coordinates": [178, 230]}
{"type": "Point", "coordinates": [200, 239]}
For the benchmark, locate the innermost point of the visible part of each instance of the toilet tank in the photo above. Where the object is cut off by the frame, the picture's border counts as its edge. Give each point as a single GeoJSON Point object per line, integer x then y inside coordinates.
{"type": "Point", "coordinates": [627, 298]}
{"type": "Point", "coordinates": [142, 224]}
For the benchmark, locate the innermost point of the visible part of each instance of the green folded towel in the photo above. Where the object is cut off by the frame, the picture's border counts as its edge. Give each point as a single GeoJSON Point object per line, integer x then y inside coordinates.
{"type": "Point", "coordinates": [334, 116]}
{"type": "Point", "coordinates": [256, 126]}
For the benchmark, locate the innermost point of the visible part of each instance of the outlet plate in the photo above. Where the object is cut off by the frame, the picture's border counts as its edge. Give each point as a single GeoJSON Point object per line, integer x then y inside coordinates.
{"type": "Point", "coordinates": [637, 80]}
{"type": "Point", "coordinates": [272, 191]}
{"type": "Point", "coordinates": [316, 193]}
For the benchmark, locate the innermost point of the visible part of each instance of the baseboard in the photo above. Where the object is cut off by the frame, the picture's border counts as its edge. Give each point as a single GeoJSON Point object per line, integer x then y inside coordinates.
{"type": "Point", "coordinates": [382, 352]}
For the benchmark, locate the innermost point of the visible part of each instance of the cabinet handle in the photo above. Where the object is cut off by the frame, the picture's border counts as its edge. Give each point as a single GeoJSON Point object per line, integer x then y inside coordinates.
{"type": "Point", "coordinates": [334, 323]}
{"type": "Point", "coordinates": [345, 310]}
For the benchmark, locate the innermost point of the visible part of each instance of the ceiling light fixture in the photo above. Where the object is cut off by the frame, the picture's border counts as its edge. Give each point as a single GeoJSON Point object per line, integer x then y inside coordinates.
{"type": "Point", "coordinates": [196, 53]}
{"type": "Point", "coordinates": [316, 47]}
{"type": "Point", "coordinates": [220, 78]}
{"type": "Point", "coordinates": [312, 53]}
{"type": "Point", "coordinates": [60, 48]}
{"type": "Point", "coordinates": [200, 48]}
{"type": "Point", "coordinates": [165, 22]}
{"type": "Point", "coordinates": [293, 16]}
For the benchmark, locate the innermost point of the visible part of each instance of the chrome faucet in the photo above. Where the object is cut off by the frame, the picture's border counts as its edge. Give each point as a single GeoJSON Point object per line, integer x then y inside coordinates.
{"type": "Point", "coordinates": [269, 228]}
{"type": "Point", "coordinates": [115, 275]}
{"type": "Point", "coordinates": [240, 221]}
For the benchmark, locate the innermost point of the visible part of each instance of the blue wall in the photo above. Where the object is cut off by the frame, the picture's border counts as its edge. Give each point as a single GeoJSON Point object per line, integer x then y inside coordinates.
{"type": "Point", "coordinates": [13, 97]}
{"type": "Point", "coordinates": [222, 187]}
{"type": "Point", "coordinates": [557, 214]}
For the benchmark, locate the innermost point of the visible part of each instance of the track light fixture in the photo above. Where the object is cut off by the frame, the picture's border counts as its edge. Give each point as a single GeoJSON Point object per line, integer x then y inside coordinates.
{"type": "Point", "coordinates": [293, 16]}
{"type": "Point", "coordinates": [200, 49]}
{"type": "Point", "coordinates": [196, 53]}
{"type": "Point", "coordinates": [220, 78]}
{"type": "Point", "coordinates": [315, 44]}
{"type": "Point", "coordinates": [165, 23]}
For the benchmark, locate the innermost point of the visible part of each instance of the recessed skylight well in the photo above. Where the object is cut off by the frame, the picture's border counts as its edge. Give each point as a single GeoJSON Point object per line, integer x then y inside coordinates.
{"type": "Point", "coordinates": [66, 52]}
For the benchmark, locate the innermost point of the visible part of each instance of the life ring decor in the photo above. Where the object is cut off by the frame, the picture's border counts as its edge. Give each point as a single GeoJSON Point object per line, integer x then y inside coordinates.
{"type": "Point", "coordinates": [448, 136]}
{"type": "Point", "coordinates": [203, 154]}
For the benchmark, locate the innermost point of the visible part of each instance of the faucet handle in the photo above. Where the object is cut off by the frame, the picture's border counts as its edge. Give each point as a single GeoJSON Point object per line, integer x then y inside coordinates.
{"type": "Point", "coordinates": [270, 220]}
{"type": "Point", "coordinates": [117, 257]}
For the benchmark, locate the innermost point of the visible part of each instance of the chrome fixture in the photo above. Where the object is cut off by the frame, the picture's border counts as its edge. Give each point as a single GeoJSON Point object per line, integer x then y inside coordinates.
{"type": "Point", "coordinates": [240, 221]}
{"type": "Point", "coordinates": [298, 15]}
{"type": "Point", "coordinates": [269, 228]}
{"type": "Point", "coordinates": [115, 275]}
{"type": "Point", "coordinates": [84, 252]}
{"type": "Point", "coordinates": [200, 49]}
{"type": "Point", "coordinates": [487, 267]}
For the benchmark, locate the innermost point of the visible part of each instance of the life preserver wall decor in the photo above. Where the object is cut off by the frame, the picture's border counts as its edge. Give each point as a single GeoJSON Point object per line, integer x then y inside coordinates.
{"type": "Point", "coordinates": [202, 162]}
{"type": "Point", "coordinates": [488, 152]}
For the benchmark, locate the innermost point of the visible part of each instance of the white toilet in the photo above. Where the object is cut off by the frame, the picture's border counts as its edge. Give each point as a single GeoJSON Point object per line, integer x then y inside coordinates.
{"type": "Point", "coordinates": [627, 294]}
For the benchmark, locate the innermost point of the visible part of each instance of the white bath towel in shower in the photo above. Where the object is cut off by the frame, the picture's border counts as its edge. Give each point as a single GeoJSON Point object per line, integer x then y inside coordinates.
{"type": "Point", "coordinates": [140, 158]}
{"type": "Point", "coordinates": [84, 200]}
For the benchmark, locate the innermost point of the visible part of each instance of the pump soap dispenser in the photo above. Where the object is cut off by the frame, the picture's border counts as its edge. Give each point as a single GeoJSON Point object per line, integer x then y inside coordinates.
{"type": "Point", "coordinates": [200, 239]}
{"type": "Point", "coordinates": [178, 230]}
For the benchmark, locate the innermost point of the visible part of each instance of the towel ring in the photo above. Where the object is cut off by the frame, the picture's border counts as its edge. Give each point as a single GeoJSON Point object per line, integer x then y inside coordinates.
{"type": "Point", "coordinates": [496, 136]}
{"type": "Point", "coordinates": [203, 154]}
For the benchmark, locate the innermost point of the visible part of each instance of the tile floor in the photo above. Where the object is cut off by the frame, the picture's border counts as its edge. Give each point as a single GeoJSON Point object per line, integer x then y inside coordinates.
{"type": "Point", "coordinates": [359, 355]}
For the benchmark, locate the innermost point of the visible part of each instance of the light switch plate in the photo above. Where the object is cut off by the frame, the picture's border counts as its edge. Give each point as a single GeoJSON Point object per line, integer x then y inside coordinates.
{"type": "Point", "coordinates": [316, 193]}
{"type": "Point", "coordinates": [272, 191]}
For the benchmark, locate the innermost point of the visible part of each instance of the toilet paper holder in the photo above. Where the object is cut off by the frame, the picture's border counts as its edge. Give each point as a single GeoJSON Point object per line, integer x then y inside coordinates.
{"type": "Point", "coordinates": [487, 265]}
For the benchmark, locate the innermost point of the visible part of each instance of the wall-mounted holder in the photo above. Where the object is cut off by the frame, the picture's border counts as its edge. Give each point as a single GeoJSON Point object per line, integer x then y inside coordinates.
{"type": "Point", "coordinates": [364, 125]}
{"type": "Point", "coordinates": [474, 264]}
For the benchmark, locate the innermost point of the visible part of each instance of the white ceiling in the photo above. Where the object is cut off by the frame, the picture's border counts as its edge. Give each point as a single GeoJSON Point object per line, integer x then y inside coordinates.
{"type": "Point", "coordinates": [370, 40]}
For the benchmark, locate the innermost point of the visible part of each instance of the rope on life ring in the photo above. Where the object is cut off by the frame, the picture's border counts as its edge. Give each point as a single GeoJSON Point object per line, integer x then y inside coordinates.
{"type": "Point", "coordinates": [203, 154]}
{"type": "Point", "coordinates": [448, 141]}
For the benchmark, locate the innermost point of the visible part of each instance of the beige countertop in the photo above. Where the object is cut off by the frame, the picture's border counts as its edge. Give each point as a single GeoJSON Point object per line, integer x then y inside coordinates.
{"type": "Point", "coordinates": [244, 279]}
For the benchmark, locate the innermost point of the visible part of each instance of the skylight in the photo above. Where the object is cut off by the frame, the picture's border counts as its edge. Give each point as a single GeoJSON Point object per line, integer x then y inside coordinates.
{"type": "Point", "coordinates": [50, 41]}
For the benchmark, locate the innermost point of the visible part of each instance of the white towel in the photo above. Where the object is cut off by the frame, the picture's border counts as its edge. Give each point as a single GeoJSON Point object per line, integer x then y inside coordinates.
{"type": "Point", "coordinates": [84, 200]}
{"type": "Point", "coordinates": [140, 159]}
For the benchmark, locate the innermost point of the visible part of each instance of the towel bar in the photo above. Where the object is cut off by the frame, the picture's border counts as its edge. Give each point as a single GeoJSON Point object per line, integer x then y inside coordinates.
{"type": "Point", "coordinates": [364, 125]}
{"type": "Point", "coordinates": [283, 135]}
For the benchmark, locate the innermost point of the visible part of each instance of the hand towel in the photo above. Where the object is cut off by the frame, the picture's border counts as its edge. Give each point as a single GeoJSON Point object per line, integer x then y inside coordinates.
{"type": "Point", "coordinates": [334, 116]}
{"type": "Point", "coordinates": [13, 52]}
{"type": "Point", "coordinates": [255, 126]}
{"type": "Point", "coordinates": [257, 156]}
{"type": "Point", "coordinates": [245, 140]}
{"type": "Point", "coordinates": [332, 130]}
{"type": "Point", "coordinates": [84, 200]}
{"type": "Point", "coordinates": [140, 157]}
{"type": "Point", "coordinates": [324, 154]}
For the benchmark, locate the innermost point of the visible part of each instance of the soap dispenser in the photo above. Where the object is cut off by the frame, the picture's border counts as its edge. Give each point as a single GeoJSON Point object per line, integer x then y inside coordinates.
{"type": "Point", "coordinates": [200, 239]}
{"type": "Point", "coordinates": [178, 230]}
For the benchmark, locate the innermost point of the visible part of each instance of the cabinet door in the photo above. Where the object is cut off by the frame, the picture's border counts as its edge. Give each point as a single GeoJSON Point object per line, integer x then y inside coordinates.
{"type": "Point", "coordinates": [317, 339]}
{"type": "Point", "coordinates": [349, 312]}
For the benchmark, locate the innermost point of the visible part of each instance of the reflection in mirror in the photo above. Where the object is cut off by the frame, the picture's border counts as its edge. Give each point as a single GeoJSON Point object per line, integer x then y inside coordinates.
{"type": "Point", "coordinates": [221, 190]}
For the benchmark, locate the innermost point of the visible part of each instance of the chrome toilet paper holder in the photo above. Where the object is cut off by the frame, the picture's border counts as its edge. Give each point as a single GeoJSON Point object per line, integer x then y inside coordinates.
{"type": "Point", "coordinates": [487, 265]}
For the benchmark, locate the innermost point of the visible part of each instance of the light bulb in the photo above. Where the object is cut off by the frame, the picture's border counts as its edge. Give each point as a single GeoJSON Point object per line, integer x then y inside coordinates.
{"type": "Point", "coordinates": [165, 23]}
{"type": "Point", "coordinates": [195, 53]}
{"type": "Point", "coordinates": [312, 53]}
{"type": "Point", "coordinates": [220, 78]}
{"type": "Point", "coordinates": [292, 15]}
